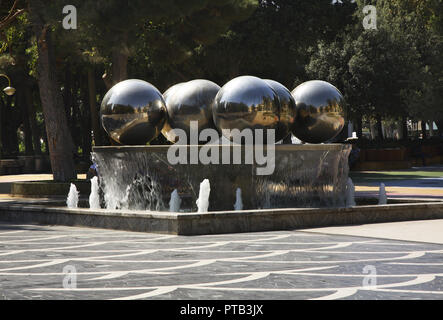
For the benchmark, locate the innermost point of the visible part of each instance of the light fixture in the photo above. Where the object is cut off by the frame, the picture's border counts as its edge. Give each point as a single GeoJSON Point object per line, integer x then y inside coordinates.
{"type": "Point", "coordinates": [8, 90]}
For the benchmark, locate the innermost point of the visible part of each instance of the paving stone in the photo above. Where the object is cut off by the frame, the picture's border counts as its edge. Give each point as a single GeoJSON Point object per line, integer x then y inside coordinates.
{"type": "Point", "coordinates": [37, 261]}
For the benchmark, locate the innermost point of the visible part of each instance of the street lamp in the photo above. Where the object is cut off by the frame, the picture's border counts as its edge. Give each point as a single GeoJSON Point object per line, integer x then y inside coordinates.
{"type": "Point", "coordinates": [8, 90]}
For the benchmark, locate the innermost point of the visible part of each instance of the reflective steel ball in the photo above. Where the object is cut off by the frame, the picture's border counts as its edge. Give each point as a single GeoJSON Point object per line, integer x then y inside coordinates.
{"type": "Point", "coordinates": [133, 112]}
{"type": "Point", "coordinates": [320, 111]}
{"type": "Point", "coordinates": [287, 108]}
{"type": "Point", "coordinates": [247, 103]}
{"type": "Point", "coordinates": [186, 102]}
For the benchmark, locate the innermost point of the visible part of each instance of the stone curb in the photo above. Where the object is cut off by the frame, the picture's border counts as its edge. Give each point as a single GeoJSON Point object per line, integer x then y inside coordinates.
{"type": "Point", "coordinates": [219, 222]}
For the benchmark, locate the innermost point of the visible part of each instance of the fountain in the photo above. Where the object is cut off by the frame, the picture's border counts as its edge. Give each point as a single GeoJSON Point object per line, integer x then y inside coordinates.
{"type": "Point", "coordinates": [238, 201]}
{"type": "Point", "coordinates": [73, 195]}
{"type": "Point", "coordinates": [94, 197]}
{"type": "Point", "coordinates": [295, 140]}
{"type": "Point", "coordinates": [350, 194]}
{"type": "Point", "coordinates": [276, 186]}
{"type": "Point", "coordinates": [382, 197]}
{"type": "Point", "coordinates": [175, 202]}
{"type": "Point", "coordinates": [136, 176]}
{"type": "Point", "coordinates": [203, 198]}
{"type": "Point", "coordinates": [141, 178]}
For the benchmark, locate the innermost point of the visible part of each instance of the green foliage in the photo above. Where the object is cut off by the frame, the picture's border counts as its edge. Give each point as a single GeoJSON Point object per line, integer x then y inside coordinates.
{"type": "Point", "coordinates": [168, 31]}
{"type": "Point", "coordinates": [394, 71]}
{"type": "Point", "coordinates": [271, 43]}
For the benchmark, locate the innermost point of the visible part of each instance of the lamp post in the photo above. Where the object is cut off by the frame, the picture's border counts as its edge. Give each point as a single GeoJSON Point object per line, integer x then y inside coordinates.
{"type": "Point", "coordinates": [8, 90]}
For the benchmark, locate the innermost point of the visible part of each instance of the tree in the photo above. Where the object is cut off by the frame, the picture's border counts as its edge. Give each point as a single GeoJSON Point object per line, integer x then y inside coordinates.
{"type": "Point", "coordinates": [12, 14]}
{"type": "Point", "coordinates": [384, 73]}
{"type": "Point", "coordinates": [123, 36]}
{"type": "Point", "coordinates": [273, 42]}
{"type": "Point", "coordinates": [14, 59]}
{"type": "Point", "coordinates": [61, 147]}
{"type": "Point", "coordinates": [107, 34]}
{"type": "Point", "coordinates": [418, 23]}
{"type": "Point", "coordinates": [170, 29]}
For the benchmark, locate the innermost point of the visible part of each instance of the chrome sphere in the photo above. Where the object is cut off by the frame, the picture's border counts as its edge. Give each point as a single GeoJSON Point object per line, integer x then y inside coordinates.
{"type": "Point", "coordinates": [133, 112]}
{"type": "Point", "coordinates": [186, 102]}
{"type": "Point", "coordinates": [320, 111]}
{"type": "Point", "coordinates": [287, 108]}
{"type": "Point", "coordinates": [247, 103]}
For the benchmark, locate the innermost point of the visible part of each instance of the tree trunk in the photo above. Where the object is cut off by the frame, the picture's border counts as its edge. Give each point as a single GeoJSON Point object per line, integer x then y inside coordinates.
{"type": "Point", "coordinates": [431, 128]}
{"type": "Point", "coordinates": [95, 119]}
{"type": "Point", "coordinates": [439, 124]}
{"type": "Point", "coordinates": [45, 140]}
{"type": "Point", "coordinates": [1, 131]}
{"type": "Point", "coordinates": [119, 71]}
{"type": "Point", "coordinates": [405, 133]}
{"type": "Point", "coordinates": [10, 123]}
{"type": "Point", "coordinates": [3, 126]}
{"type": "Point", "coordinates": [423, 130]}
{"type": "Point", "coordinates": [71, 106]}
{"type": "Point", "coordinates": [59, 138]}
{"type": "Point", "coordinates": [68, 100]}
{"type": "Point", "coordinates": [32, 120]}
{"type": "Point", "coordinates": [360, 127]}
{"type": "Point", "coordinates": [21, 101]}
{"type": "Point", "coordinates": [119, 65]}
{"type": "Point", "coordinates": [373, 130]}
{"type": "Point", "coordinates": [379, 128]}
{"type": "Point", "coordinates": [85, 121]}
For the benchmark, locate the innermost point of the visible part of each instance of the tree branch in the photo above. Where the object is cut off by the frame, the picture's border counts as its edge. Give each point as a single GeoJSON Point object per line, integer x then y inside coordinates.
{"type": "Point", "coordinates": [11, 16]}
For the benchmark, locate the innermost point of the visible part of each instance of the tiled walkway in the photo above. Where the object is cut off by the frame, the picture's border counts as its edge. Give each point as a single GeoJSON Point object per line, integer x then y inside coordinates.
{"type": "Point", "coordinates": [52, 262]}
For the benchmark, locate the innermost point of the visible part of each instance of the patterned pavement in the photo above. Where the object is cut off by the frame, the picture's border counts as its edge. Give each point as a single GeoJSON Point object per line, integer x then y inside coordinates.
{"type": "Point", "coordinates": [54, 262]}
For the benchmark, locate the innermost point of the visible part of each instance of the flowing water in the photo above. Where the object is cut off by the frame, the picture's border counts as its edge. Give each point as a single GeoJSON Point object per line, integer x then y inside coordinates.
{"type": "Point", "coordinates": [350, 194]}
{"type": "Point", "coordinates": [94, 197]}
{"type": "Point", "coordinates": [73, 195]}
{"type": "Point", "coordinates": [175, 202]}
{"type": "Point", "coordinates": [141, 178]}
{"type": "Point", "coordinates": [238, 201]}
{"type": "Point", "coordinates": [382, 197]}
{"type": "Point", "coordinates": [203, 197]}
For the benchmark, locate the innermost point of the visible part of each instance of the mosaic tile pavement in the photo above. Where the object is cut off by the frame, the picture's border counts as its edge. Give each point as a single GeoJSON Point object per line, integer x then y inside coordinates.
{"type": "Point", "coordinates": [54, 262]}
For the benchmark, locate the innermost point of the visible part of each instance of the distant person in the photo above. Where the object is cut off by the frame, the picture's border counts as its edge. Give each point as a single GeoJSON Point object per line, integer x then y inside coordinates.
{"type": "Point", "coordinates": [354, 155]}
{"type": "Point", "coordinates": [92, 172]}
{"type": "Point", "coordinates": [417, 152]}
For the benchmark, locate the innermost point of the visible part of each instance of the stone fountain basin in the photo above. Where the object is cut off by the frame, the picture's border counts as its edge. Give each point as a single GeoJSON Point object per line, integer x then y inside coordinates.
{"type": "Point", "coordinates": [218, 222]}
{"type": "Point", "coordinates": [47, 188]}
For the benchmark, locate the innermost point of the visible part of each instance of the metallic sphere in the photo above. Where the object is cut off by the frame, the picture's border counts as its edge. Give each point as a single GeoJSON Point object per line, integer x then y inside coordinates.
{"type": "Point", "coordinates": [320, 111]}
{"type": "Point", "coordinates": [247, 103]}
{"type": "Point", "coordinates": [133, 112]}
{"type": "Point", "coordinates": [186, 102]}
{"type": "Point", "coordinates": [287, 108]}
